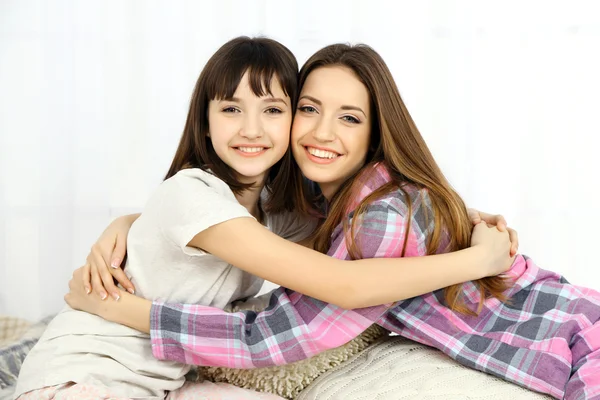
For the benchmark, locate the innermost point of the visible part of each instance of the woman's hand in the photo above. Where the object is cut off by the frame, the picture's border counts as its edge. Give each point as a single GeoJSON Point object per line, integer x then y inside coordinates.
{"type": "Point", "coordinates": [495, 245]}
{"type": "Point", "coordinates": [130, 311]}
{"type": "Point", "coordinates": [104, 263]}
{"type": "Point", "coordinates": [499, 222]}
{"type": "Point", "coordinates": [79, 299]}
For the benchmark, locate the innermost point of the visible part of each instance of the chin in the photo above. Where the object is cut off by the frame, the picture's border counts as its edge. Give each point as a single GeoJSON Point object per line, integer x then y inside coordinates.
{"type": "Point", "coordinates": [251, 176]}
{"type": "Point", "coordinates": [319, 177]}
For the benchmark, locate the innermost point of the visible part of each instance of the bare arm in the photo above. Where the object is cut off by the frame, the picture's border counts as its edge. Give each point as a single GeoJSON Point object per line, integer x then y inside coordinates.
{"type": "Point", "coordinates": [349, 284]}
{"type": "Point", "coordinates": [136, 312]}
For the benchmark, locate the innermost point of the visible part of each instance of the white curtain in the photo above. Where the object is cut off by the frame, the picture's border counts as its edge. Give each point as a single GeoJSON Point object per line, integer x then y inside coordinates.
{"type": "Point", "coordinates": [93, 97]}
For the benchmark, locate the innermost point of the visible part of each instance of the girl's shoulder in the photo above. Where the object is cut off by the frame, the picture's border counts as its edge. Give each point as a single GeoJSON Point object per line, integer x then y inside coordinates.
{"type": "Point", "coordinates": [197, 178]}
{"type": "Point", "coordinates": [193, 189]}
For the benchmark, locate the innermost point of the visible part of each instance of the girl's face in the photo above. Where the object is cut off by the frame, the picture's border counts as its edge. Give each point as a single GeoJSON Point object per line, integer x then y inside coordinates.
{"type": "Point", "coordinates": [332, 128]}
{"type": "Point", "coordinates": [249, 133]}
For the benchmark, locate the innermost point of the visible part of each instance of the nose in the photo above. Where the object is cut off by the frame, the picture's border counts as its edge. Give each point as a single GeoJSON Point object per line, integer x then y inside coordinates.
{"type": "Point", "coordinates": [252, 127]}
{"type": "Point", "coordinates": [324, 131]}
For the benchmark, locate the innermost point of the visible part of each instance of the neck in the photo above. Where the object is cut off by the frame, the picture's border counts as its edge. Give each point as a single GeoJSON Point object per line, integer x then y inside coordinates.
{"type": "Point", "coordinates": [329, 189]}
{"type": "Point", "coordinates": [249, 198]}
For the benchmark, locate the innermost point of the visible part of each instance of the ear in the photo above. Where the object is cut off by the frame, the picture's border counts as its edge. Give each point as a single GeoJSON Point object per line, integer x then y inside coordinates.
{"type": "Point", "coordinates": [207, 134]}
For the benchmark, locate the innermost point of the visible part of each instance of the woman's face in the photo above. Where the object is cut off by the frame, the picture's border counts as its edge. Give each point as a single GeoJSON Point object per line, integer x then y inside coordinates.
{"type": "Point", "coordinates": [249, 133]}
{"type": "Point", "coordinates": [332, 127]}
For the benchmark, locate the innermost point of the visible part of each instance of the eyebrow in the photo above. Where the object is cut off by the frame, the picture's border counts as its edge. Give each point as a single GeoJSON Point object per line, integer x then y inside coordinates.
{"type": "Point", "coordinates": [267, 100]}
{"type": "Point", "coordinates": [275, 100]}
{"type": "Point", "coordinates": [344, 107]}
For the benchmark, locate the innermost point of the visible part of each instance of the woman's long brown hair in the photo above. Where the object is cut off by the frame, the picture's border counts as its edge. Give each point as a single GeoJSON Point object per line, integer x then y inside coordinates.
{"type": "Point", "coordinates": [397, 144]}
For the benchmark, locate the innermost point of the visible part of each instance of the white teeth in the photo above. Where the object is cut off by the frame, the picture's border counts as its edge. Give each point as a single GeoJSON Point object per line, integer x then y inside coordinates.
{"type": "Point", "coordinates": [250, 149]}
{"type": "Point", "coordinates": [321, 153]}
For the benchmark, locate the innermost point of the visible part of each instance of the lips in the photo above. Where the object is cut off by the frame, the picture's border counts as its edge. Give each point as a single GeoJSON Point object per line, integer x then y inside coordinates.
{"type": "Point", "coordinates": [250, 149]}
{"type": "Point", "coordinates": [326, 154]}
{"type": "Point", "coordinates": [320, 155]}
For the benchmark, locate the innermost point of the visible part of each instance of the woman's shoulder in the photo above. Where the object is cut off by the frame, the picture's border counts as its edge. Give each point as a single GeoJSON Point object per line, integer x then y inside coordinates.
{"type": "Point", "coordinates": [407, 196]}
{"type": "Point", "coordinates": [399, 198]}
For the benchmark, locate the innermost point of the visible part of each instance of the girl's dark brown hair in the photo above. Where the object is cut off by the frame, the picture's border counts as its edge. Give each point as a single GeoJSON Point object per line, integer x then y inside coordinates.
{"type": "Point", "coordinates": [396, 144]}
{"type": "Point", "coordinates": [263, 59]}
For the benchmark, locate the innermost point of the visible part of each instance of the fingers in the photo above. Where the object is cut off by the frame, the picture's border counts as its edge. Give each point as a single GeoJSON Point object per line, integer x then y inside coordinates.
{"type": "Point", "coordinates": [97, 285]}
{"type": "Point", "coordinates": [117, 258]}
{"type": "Point", "coordinates": [85, 278]}
{"type": "Point", "coordinates": [105, 275]}
{"type": "Point", "coordinates": [514, 241]}
{"type": "Point", "coordinates": [119, 251]}
{"type": "Point", "coordinates": [474, 216]}
{"type": "Point", "coordinates": [122, 278]}
{"type": "Point", "coordinates": [496, 220]}
{"type": "Point", "coordinates": [500, 222]}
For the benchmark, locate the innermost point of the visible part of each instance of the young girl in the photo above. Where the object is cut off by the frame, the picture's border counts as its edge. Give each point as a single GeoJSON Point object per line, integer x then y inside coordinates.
{"type": "Point", "coordinates": [386, 197]}
{"type": "Point", "coordinates": [207, 215]}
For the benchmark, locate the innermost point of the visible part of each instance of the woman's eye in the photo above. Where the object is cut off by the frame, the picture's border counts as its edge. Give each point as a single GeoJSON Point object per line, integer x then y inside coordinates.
{"type": "Point", "coordinates": [308, 109]}
{"type": "Point", "coordinates": [230, 110]}
{"type": "Point", "coordinates": [274, 110]}
{"type": "Point", "coordinates": [351, 119]}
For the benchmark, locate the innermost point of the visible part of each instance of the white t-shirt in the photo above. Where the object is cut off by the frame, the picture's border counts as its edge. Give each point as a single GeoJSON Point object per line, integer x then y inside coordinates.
{"type": "Point", "coordinates": [83, 348]}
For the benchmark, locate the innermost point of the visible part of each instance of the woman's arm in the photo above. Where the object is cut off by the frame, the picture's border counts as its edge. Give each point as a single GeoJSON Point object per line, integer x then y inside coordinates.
{"type": "Point", "coordinates": [110, 249]}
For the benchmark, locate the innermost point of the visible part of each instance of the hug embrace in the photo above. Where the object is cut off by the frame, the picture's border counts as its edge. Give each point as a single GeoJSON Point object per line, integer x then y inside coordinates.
{"type": "Point", "coordinates": [349, 213]}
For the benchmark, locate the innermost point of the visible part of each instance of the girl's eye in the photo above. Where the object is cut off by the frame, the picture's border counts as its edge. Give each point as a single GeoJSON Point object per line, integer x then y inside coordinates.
{"type": "Point", "coordinates": [231, 110]}
{"type": "Point", "coordinates": [351, 119]}
{"type": "Point", "coordinates": [274, 110]}
{"type": "Point", "coordinates": [308, 109]}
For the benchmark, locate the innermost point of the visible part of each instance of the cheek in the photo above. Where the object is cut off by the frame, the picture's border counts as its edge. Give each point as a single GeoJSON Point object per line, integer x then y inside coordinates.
{"type": "Point", "coordinates": [280, 131]}
{"type": "Point", "coordinates": [299, 127]}
{"type": "Point", "coordinates": [363, 141]}
{"type": "Point", "coordinates": [219, 129]}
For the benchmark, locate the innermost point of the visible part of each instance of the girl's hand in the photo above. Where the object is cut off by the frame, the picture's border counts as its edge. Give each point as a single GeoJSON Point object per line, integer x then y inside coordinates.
{"type": "Point", "coordinates": [499, 222]}
{"type": "Point", "coordinates": [495, 245]}
{"type": "Point", "coordinates": [104, 263]}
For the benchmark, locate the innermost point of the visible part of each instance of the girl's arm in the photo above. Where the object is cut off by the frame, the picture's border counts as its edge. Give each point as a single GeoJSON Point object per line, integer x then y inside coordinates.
{"type": "Point", "coordinates": [300, 326]}
{"type": "Point", "coordinates": [245, 243]}
{"type": "Point", "coordinates": [204, 335]}
{"type": "Point", "coordinates": [458, 267]}
{"type": "Point", "coordinates": [212, 337]}
{"type": "Point", "coordinates": [350, 284]}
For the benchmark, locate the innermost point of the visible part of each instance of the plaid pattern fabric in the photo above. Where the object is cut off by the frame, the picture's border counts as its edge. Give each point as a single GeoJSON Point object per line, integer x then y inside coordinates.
{"type": "Point", "coordinates": [546, 339]}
